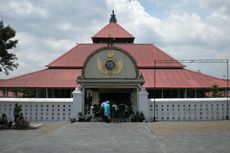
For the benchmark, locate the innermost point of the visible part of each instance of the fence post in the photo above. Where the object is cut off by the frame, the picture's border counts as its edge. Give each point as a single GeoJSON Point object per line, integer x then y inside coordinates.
{"type": "Point", "coordinates": [143, 102]}
{"type": "Point", "coordinates": [77, 102]}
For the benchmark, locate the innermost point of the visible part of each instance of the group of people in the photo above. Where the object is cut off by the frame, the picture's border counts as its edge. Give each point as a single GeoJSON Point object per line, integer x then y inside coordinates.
{"type": "Point", "coordinates": [19, 121]}
{"type": "Point", "coordinates": [111, 112]}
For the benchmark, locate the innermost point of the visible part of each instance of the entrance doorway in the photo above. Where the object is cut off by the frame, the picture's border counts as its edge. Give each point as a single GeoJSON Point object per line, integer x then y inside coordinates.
{"type": "Point", "coordinates": [115, 98]}
{"type": "Point", "coordinates": [122, 102]}
{"type": "Point", "coordinates": [120, 105]}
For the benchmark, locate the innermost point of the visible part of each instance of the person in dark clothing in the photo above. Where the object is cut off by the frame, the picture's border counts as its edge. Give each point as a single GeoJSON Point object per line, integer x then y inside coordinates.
{"type": "Point", "coordinates": [4, 124]}
{"type": "Point", "coordinates": [122, 112]}
{"type": "Point", "coordinates": [81, 118]}
{"type": "Point", "coordinates": [21, 122]}
{"type": "Point", "coordinates": [17, 111]}
{"type": "Point", "coordinates": [115, 111]}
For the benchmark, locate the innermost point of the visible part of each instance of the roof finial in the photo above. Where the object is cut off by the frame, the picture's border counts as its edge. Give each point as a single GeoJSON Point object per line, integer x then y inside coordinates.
{"type": "Point", "coordinates": [113, 18]}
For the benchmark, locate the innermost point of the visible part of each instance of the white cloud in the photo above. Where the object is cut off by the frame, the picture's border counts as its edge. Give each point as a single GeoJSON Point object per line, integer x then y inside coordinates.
{"type": "Point", "coordinates": [47, 29]}
{"type": "Point", "coordinates": [186, 29]}
{"type": "Point", "coordinates": [34, 53]}
{"type": "Point", "coordinates": [61, 44]}
{"type": "Point", "coordinates": [182, 34]}
{"type": "Point", "coordinates": [25, 39]}
{"type": "Point", "coordinates": [65, 26]}
{"type": "Point", "coordinates": [22, 8]}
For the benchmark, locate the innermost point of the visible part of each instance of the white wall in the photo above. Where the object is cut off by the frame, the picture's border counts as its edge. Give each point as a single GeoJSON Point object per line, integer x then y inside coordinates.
{"type": "Point", "coordinates": [62, 109]}
{"type": "Point", "coordinates": [39, 109]}
{"type": "Point", "coordinates": [188, 109]}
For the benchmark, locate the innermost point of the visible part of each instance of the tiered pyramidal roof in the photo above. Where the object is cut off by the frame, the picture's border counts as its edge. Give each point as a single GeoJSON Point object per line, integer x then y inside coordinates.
{"type": "Point", "coordinates": [113, 32]}
{"type": "Point", "coordinates": [62, 72]}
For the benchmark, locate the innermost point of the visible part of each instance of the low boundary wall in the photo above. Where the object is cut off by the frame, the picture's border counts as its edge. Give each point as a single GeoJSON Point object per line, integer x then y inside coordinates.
{"type": "Point", "coordinates": [188, 109]}
{"type": "Point", "coordinates": [62, 109]}
{"type": "Point", "coordinates": [39, 109]}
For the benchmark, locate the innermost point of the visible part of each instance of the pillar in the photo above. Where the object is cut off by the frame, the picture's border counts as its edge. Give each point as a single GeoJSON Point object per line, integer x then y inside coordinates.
{"type": "Point", "coordinates": [143, 102]}
{"type": "Point", "coordinates": [95, 98]}
{"type": "Point", "coordinates": [185, 93]}
{"type": "Point", "coordinates": [77, 102]}
{"type": "Point", "coordinates": [133, 99]}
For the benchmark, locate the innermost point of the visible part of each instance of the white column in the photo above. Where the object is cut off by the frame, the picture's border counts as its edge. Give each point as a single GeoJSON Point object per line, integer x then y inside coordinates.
{"type": "Point", "coordinates": [143, 102]}
{"type": "Point", "coordinates": [77, 102]}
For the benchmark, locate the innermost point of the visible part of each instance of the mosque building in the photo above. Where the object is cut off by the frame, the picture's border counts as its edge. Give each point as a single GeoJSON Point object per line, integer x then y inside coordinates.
{"type": "Point", "coordinates": [112, 67]}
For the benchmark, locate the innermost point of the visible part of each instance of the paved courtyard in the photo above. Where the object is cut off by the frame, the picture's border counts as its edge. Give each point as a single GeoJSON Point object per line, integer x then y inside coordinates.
{"type": "Point", "coordinates": [96, 137]}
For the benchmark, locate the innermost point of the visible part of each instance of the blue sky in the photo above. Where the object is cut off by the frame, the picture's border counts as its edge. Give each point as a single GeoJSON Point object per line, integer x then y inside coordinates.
{"type": "Point", "coordinates": [184, 29]}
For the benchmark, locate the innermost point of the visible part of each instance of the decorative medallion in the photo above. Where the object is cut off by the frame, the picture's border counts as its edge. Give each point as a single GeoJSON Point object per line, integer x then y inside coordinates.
{"type": "Point", "coordinates": [110, 65]}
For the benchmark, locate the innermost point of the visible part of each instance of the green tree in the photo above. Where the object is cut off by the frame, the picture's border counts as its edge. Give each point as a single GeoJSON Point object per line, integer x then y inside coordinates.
{"type": "Point", "coordinates": [27, 92]}
{"type": "Point", "coordinates": [8, 60]}
{"type": "Point", "coordinates": [215, 91]}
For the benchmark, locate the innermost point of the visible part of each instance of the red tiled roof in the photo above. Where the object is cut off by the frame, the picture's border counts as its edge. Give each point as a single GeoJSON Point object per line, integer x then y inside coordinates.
{"type": "Point", "coordinates": [113, 30]}
{"type": "Point", "coordinates": [62, 72]}
{"type": "Point", "coordinates": [48, 78]}
{"type": "Point", "coordinates": [179, 78]}
{"type": "Point", "coordinates": [144, 54]}
{"type": "Point", "coordinates": [66, 78]}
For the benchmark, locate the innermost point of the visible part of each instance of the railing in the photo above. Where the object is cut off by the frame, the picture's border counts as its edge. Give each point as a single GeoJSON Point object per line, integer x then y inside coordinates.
{"type": "Point", "coordinates": [188, 109]}
{"type": "Point", "coordinates": [39, 109]}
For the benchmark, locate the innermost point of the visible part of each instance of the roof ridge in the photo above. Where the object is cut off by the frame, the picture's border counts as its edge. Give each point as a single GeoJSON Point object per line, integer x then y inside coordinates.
{"type": "Point", "coordinates": [206, 75]}
{"type": "Point", "coordinates": [20, 76]}
{"type": "Point", "coordinates": [72, 49]}
{"type": "Point", "coordinates": [103, 31]}
{"type": "Point", "coordinates": [115, 43]}
{"type": "Point", "coordinates": [152, 45]}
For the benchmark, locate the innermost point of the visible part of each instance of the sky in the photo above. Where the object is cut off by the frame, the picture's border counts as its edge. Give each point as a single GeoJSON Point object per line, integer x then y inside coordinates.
{"type": "Point", "coordinates": [184, 29]}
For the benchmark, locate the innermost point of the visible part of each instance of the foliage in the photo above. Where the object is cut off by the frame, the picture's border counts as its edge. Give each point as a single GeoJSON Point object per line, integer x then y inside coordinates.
{"type": "Point", "coordinates": [26, 92]}
{"type": "Point", "coordinates": [215, 91]}
{"type": "Point", "coordinates": [8, 60]}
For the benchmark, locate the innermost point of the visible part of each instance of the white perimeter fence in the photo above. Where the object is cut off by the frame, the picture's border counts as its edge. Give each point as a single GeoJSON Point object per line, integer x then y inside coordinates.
{"type": "Point", "coordinates": [188, 109]}
{"type": "Point", "coordinates": [39, 109]}
{"type": "Point", "coordinates": [62, 109]}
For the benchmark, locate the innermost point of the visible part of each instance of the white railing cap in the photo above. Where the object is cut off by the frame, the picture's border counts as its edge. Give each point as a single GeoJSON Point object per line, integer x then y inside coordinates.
{"type": "Point", "coordinates": [19, 100]}
{"type": "Point", "coordinates": [188, 99]}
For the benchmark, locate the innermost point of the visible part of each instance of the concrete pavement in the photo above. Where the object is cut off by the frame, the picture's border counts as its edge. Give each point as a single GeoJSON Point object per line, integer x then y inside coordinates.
{"type": "Point", "coordinates": [98, 137]}
{"type": "Point", "coordinates": [92, 137]}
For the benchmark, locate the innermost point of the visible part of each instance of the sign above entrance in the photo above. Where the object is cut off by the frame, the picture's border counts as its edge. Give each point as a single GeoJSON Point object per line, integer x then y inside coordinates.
{"type": "Point", "coordinates": [110, 65]}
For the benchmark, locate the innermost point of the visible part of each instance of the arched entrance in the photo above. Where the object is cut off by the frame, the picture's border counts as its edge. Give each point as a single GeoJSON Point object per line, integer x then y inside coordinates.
{"type": "Point", "coordinates": [111, 74]}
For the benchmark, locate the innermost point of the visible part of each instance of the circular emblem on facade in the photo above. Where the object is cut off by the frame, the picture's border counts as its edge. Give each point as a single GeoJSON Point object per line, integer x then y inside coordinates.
{"type": "Point", "coordinates": [109, 64]}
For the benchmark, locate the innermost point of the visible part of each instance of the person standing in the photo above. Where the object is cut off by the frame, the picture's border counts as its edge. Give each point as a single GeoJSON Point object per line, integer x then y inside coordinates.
{"type": "Point", "coordinates": [17, 111]}
{"type": "Point", "coordinates": [107, 111]}
{"type": "Point", "coordinates": [103, 110]}
{"type": "Point", "coordinates": [122, 112]}
{"type": "Point", "coordinates": [115, 111]}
